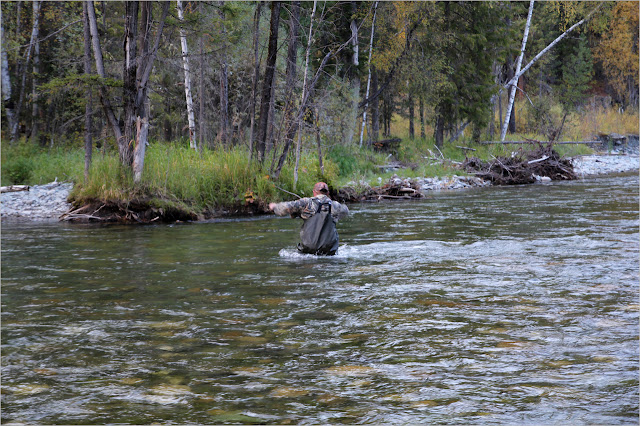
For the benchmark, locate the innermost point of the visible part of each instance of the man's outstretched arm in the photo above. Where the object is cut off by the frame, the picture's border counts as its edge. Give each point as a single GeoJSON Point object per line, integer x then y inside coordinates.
{"type": "Point", "coordinates": [293, 208]}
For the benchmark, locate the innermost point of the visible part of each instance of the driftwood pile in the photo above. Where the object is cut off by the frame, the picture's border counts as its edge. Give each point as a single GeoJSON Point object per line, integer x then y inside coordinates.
{"type": "Point", "coordinates": [522, 167]}
{"type": "Point", "coordinates": [396, 188]}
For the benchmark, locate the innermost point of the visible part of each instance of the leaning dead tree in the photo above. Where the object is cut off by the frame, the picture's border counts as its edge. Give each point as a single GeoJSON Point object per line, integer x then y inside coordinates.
{"type": "Point", "coordinates": [512, 95]}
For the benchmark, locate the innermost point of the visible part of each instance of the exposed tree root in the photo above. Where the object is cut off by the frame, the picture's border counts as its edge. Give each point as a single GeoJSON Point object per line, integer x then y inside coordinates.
{"type": "Point", "coordinates": [132, 212]}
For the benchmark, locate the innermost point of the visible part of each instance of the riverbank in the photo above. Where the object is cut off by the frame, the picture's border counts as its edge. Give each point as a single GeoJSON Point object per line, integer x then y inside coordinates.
{"type": "Point", "coordinates": [49, 202]}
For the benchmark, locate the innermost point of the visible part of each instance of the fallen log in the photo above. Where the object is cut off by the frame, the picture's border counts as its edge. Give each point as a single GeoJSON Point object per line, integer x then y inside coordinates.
{"type": "Point", "coordinates": [14, 188]}
{"type": "Point", "coordinates": [387, 145]}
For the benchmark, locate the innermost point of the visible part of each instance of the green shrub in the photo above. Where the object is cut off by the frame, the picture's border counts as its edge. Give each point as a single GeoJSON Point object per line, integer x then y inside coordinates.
{"type": "Point", "coordinates": [17, 171]}
{"type": "Point", "coordinates": [28, 163]}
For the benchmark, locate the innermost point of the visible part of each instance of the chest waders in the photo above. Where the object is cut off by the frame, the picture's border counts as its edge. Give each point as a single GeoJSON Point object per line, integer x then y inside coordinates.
{"type": "Point", "coordinates": [318, 234]}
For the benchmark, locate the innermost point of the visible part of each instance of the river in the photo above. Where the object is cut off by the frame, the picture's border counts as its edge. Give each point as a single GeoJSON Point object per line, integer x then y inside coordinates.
{"type": "Point", "coordinates": [498, 305]}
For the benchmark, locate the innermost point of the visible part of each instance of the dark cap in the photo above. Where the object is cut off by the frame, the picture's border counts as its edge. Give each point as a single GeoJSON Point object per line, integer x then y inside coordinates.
{"type": "Point", "coordinates": [321, 187]}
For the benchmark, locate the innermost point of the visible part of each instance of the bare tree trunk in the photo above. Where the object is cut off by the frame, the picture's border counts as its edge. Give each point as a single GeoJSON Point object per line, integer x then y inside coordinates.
{"type": "Point", "coordinates": [97, 54]}
{"type": "Point", "coordinates": [500, 108]}
{"type": "Point", "coordinates": [6, 81]}
{"type": "Point", "coordinates": [375, 108]}
{"type": "Point", "coordinates": [364, 113]}
{"type": "Point", "coordinates": [517, 76]}
{"type": "Point", "coordinates": [318, 142]}
{"type": "Point", "coordinates": [143, 73]}
{"type": "Point", "coordinates": [354, 77]}
{"type": "Point", "coordinates": [224, 84]}
{"type": "Point", "coordinates": [439, 130]}
{"type": "Point", "coordinates": [18, 18]}
{"type": "Point", "coordinates": [512, 95]}
{"type": "Point", "coordinates": [88, 111]}
{"type": "Point", "coordinates": [35, 107]}
{"type": "Point", "coordinates": [423, 135]}
{"type": "Point", "coordinates": [34, 36]}
{"type": "Point", "coordinates": [201, 85]}
{"type": "Point", "coordinates": [142, 132]}
{"type": "Point", "coordinates": [187, 79]}
{"type": "Point", "coordinates": [129, 74]}
{"type": "Point", "coordinates": [412, 132]}
{"type": "Point", "coordinates": [492, 122]}
{"type": "Point", "coordinates": [256, 72]}
{"type": "Point", "coordinates": [304, 93]}
{"type": "Point", "coordinates": [269, 76]}
{"type": "Point", "coordinates": [290, 123]}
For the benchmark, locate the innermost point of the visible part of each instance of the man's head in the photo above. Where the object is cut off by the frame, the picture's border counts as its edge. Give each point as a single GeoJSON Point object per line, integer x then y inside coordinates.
{"type": "Point", "coordinates": [320, 188]}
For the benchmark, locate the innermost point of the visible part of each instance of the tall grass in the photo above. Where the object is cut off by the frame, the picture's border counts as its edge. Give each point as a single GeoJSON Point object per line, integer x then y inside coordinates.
{"type": "Point", "coordinates": [201, 180]}
{"type": "Point", "coordinates": [27, 163]}
{"type": "Point", "coordinates": [580, 125]}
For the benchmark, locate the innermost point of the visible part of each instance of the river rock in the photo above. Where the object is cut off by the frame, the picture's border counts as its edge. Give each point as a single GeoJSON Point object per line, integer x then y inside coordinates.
{"type": "Point", "coordinates": [40, 202]}
{"type": "Point", "coordinates": [591, 165]}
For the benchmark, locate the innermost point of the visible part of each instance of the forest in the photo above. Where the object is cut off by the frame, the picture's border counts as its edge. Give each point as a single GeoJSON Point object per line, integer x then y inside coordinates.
{"type": "Point", "coordinates": [210, 104]}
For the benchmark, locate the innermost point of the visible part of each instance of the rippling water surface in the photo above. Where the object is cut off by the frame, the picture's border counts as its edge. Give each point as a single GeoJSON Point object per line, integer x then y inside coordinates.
{"type": "Point", "coordinates": [510, 305]}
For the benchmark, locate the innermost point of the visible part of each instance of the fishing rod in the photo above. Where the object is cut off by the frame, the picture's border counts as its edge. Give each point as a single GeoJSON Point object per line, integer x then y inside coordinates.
{"type": "Point", "coordinates": [284, 190]}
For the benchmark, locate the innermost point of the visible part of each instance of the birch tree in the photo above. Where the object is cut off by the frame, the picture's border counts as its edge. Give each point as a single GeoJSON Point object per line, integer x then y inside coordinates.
{"type": "Point", "coordinates": [187, 77]}
{"type": "Point", "coordinates": [364, 113]}
{"type": "Point", "coordinates": [512, 95]}
{"type": "Point", "coordinates": [514, 81]}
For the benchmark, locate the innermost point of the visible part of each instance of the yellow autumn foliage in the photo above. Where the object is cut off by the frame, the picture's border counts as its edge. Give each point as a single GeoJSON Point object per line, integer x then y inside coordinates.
{"type": "Point", "coordinates": [618, 50]}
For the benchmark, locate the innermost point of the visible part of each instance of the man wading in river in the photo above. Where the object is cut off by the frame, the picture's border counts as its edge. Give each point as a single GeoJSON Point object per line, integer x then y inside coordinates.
{"type": "Point", "coordinates": [318, 234]}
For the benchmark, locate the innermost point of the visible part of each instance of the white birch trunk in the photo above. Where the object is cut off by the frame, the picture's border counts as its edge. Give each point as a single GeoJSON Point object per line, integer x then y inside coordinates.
{"type": "Point", "coordinates": [514, 81]}
{"type": "Point", "coordinates": [551, 45]}
{"type": "Point", "coordinates": [512, 95]}
{"type": "Point", "coordinates": [187, 79]}
{"type": "Point", "coordinates": [304, 89]}
{"type": "Point", "coordinates": [364, 113]}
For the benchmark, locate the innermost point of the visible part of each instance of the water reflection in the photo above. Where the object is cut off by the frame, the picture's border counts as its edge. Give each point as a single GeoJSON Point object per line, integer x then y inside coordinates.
{"type": "Point", "coordinates": [500, 305]}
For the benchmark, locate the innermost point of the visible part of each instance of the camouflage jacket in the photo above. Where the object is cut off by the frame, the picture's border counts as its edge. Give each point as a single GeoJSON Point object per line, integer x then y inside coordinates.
{"type": "Point", "coordinates": [305, 208]}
